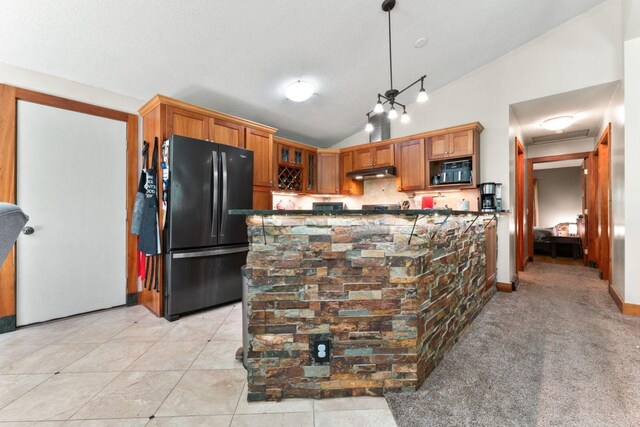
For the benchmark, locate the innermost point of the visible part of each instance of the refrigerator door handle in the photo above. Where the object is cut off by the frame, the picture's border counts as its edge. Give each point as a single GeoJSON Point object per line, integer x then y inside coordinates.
{"type": "Point", "coordinates": [213, 252]}
{"type": "Point", "coordinates": [225, 194]}
{"type": "Point", "coordinates": [214, 198]}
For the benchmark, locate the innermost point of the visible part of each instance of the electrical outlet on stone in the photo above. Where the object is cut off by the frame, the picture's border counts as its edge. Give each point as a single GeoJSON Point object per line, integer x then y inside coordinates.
{"type": "Point", "coordinates": [321, 351]}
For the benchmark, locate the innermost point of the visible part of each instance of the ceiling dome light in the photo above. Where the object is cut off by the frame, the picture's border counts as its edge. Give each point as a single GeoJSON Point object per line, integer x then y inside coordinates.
{"type": "Point", "coordinates": [557, 123]}
{"type": "Point", "coordinates": [299, 91]}
{"type": "Point", "coordinates": [393, 114]}
{"type": "Point", "coordinates": [405, 117]}
{"type": "Point", "coordinates": [421, 42]}
{"type": "Point", "coordinates": [422, 96]}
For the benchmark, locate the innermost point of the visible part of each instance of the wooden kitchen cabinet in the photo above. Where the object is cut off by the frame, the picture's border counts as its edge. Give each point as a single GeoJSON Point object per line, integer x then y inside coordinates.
{"type": "Point", "coordinates": [329, 172]}
{"type": "Point", "coordinates": [226, 133]}
{"type": "Point", "coordinates": [163, 116]}
{"type": "Point", "coordinates": [262, 198]}
{"type": "Point", "coordinates": [349, 186]}
{"type": "Point", "coordinates": [451, 145]}
{"type": "Point", "coordinates": [410, 162]}
{"type": "Point", "coordinates": [373, 157]}
{"type": "Point", "coordinates": [310, 171]}
{"type": "Point", "coordinates": [186, 123]}
{"type": "Point", "coordinates": [261, 143]}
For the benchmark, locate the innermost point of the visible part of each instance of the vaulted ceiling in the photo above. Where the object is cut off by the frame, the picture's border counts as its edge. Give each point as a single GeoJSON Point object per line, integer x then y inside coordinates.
{"type": "Point", "coordinates": [238, 56]}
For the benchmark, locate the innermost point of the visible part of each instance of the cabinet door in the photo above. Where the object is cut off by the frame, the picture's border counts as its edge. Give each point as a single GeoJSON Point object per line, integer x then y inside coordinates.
{"type": "Point", "coordinates": [310, 171]}
{"type": "Point", "coordinates": [439, 146]}
{"type": "Point", "coordinates": [185, 123]}
{"type": "Point", "coordinates": [348, 186]}
{"type": "Point", "coordinates": [261, 145]}
{"type": "Point", "coordinates": [362, 159]}
{"type": "Point", "coordinates": [262, 198]}
{"type": "Point", "coordinates": [328, 173]}
{"type": "Point", "coordinates": [383, 155]}
{"type": "Point", "coordinates": [226, 133]}
{"type": "Point", "coordinates": [411, 165]}
{"type": "Point", "coordinates": [461, 143]}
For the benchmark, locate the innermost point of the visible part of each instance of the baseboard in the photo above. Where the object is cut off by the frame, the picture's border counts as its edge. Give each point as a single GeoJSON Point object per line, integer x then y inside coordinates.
{"type": "Point", "coordinates": [504, 287]}
{"type": "Point", "coordinates": [7, 324]}
{"type": "Point", "coordinates": [132, 299]}
{"type": "Point", "coordinates": [624, 307]}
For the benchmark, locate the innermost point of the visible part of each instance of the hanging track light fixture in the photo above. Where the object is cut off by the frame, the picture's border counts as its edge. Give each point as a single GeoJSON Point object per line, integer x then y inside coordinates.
{"type": "Point", "coordinates": [390, 95]}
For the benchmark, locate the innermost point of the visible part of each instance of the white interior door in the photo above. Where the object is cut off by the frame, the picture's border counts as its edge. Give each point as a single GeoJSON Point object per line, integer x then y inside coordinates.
{"type": "Point", "coordinates": [71, 182]}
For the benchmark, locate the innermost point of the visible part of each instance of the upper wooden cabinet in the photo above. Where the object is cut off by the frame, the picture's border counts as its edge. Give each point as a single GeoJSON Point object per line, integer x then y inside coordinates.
{"type": "Point", "coordinates": [226, 133]}
{"type": "Point", "coordinates": [186, 123]}
{"type": "Point", "coordinates": [328, 172]}
{"type": "Point", "coordinates": [372, 157]}
{"type": "Point", "coordinates": [349, 186]}
{"type": "Point", "coordinates": [410, 163]}
{"type": "Point", "coordinates": [454, 144]}
{"type": "Point", "coordinates": [261, 143]}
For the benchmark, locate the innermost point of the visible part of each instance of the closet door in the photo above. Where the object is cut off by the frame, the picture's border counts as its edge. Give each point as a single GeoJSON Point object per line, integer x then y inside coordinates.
{"type": "Point", "coordinates": [71, 182]}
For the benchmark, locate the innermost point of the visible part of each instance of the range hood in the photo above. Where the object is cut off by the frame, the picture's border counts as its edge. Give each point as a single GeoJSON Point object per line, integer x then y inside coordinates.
{"type": "Point", "coordinates": [372, 173]}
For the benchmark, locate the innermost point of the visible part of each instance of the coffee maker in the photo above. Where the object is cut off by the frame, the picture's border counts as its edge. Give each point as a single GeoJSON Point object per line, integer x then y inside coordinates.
{"type": "Point", "coordinates": [490, 197]}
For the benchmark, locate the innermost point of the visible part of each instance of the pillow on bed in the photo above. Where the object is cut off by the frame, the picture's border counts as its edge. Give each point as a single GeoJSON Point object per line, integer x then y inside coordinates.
{"type": "Point", "coordinates": [541, 233]}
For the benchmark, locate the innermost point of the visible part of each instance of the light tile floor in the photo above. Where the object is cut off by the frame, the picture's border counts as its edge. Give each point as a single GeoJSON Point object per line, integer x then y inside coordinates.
{"type": "Point", "coordinates": [125, 367]}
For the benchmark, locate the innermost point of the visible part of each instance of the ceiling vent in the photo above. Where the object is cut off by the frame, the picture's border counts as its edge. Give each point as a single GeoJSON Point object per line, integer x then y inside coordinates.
{"type": "Point", "coordinates": [560, 136]}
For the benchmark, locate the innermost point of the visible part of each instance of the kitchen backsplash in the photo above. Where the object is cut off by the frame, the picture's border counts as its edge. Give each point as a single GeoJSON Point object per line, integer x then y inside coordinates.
{"type": "Point", "coordinates": [381, 191]}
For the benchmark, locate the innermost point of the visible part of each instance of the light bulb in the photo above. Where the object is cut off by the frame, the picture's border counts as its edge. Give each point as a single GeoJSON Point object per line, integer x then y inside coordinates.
{"type": "Point", "coordinates": [368, 127]}
{"type": "Point", "coordinates": [393, 114]}
{"type": "Point", "coordinates": [422, 96]}
{"type": "Point", "coordinates": [378, 108]}
{"type": "Point", "coordinates": [405, 118]}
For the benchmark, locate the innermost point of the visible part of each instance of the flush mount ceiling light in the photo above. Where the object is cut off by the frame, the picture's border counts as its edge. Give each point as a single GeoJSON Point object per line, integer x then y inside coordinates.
{"type": "Point", "coordinates": [390, 95]}
{"type": "Point", "coordinates": [557, 124]}
{"type": "Point", "coordinates": [299, 91]}
{"type": "Point", "coordinates": [421, 42]}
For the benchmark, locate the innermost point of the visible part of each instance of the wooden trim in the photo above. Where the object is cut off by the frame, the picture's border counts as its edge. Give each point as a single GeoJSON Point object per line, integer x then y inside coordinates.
{"type": "Point", "coordinates": [519, 220]}
{"type": "Point", "coordinates": [604, 202]}
{"type": "Point", "coordinates": [8, 193]}
{"type": "Point", "coordinates": [560, 157]}
{"type": "Point", "coordinates": [469, 126]}
{"type": "Point", "coordinates": [9, 97]}
{"type": "Point", "coordinates": [279, 140]}
{"type": "Point", "coordinates": [504, 287]}
{"type": "Point", "coordinates": [624, 307]}
{"type": "Point", "coordinates": [165, 100]}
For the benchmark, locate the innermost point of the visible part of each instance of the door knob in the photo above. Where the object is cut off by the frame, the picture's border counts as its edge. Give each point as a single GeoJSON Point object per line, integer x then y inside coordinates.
{"type": "Point", "coordinates": [28, 230]}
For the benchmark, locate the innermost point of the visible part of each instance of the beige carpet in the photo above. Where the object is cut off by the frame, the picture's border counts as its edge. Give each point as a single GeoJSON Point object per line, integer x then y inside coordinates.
{"type": "Point", "coordinates": [556, 352]}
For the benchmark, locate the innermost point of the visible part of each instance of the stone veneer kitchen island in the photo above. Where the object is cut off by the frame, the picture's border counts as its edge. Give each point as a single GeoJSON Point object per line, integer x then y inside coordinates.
{"type": "Point", "coordinates": [390, 290]}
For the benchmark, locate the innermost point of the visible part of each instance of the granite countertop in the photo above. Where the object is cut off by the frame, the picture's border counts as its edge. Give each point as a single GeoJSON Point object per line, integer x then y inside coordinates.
{"type": "Point", "coordinates": [267, 212]}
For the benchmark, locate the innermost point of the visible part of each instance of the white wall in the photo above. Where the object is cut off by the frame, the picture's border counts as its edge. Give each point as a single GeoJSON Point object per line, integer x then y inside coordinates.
{"type": "Point", "coordinates": [51, 85]}
{"type": "Point", "coordinates": [559, 195]}
{"type": "Point", "coordinates": [583, 52]}
{"type": "Point", "coordinates": [631, 151]}
{"type": "Point", "coordinates": [580, 145]}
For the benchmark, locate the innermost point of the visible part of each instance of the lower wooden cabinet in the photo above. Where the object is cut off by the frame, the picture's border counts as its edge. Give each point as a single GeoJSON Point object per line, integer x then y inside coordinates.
{"type": "Point", "coordinates": [262, 198]}
{"type": "Point", "coordinates": [328, 172]}
{"type": "Point", "coordinates": [410, 161]}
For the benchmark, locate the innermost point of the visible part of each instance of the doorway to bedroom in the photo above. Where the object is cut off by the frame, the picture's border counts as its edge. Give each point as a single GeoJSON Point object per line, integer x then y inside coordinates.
{"type": "Point", "coordinates": [566, 139]}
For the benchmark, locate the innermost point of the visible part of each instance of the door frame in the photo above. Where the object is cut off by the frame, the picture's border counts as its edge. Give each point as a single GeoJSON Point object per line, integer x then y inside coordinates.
{"type": "Point", "coordinates": [602, 156]}
{"type": "Point", "coordinates": [521, 260]}
{"type": "Point", "coordinates": [588, 155]}
{"type": "Point", "coordinates": [9, 97]}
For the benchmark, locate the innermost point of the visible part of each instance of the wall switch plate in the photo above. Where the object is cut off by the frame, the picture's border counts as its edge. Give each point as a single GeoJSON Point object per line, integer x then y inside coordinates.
{"type": "Point", "coordinates": [322, 350]}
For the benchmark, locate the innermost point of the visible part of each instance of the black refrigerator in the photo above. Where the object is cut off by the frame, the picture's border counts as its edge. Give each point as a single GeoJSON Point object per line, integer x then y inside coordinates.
{"type": "Point", "coordinates": [205, 246]}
